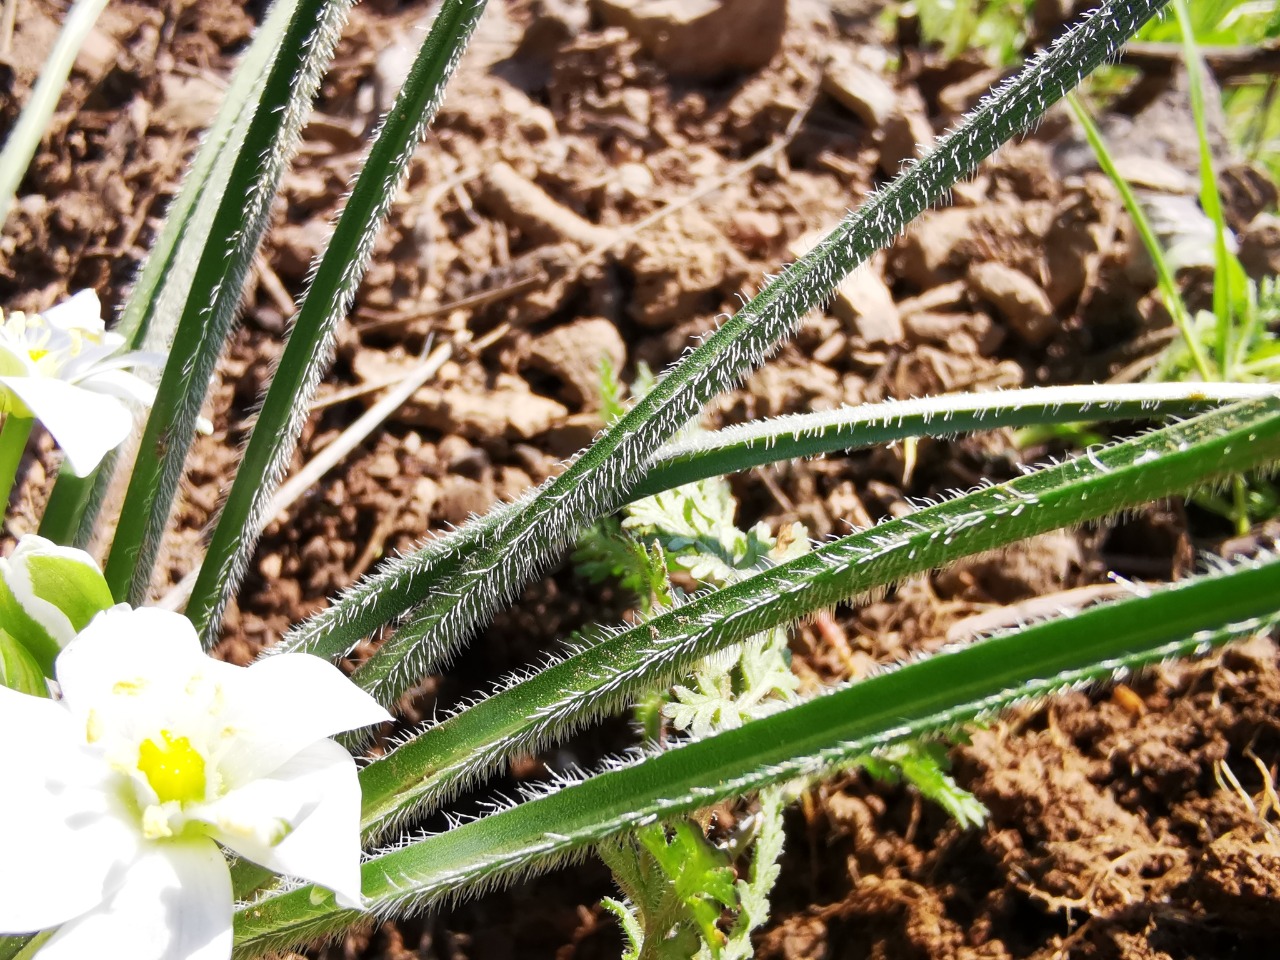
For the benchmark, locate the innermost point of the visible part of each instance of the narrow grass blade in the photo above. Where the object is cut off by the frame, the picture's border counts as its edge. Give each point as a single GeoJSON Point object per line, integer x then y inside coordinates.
{"type": "Point", "coordinates": [73, 505]}
{"type": "Point", "coordinates": [20, 146]}
{"type": "Point", "coordinates": [334, 280]}
{"type": "Point", "coordinates": [172, 260]}
{"type": "Point", "coordinates": [1210, 200]}
{"type": "Point", "coordinates": [464, 577]}
{"type": "Point", "coordinates": [1169, 291]}
{"type": "Point", "coordinates": [552, 701]}
{"type": "Point", "coordinates": [761, 442]}
{"type": "Point", "coordinates": [802, 742]}
{"type": "Point", "coordinates": [214, 293]}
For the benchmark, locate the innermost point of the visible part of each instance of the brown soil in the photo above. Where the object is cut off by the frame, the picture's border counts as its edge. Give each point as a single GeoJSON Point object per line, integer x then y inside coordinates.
{"type": "Point", "coordinates": [1134, 822]}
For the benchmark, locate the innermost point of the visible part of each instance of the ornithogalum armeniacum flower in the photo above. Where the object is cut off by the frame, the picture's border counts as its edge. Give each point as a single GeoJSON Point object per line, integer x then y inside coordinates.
{"type": "Point", "coordinates": [118, 795]}
{"type": "Point", "coordinates": [65, 369]}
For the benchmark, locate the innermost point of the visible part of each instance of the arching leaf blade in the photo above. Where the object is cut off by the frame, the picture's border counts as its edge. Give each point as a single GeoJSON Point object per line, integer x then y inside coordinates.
{"type": "Point", "coordinates": [71, 513]}
{"type": "Point", "coordinates": [774, 440]}
{"type": "Point", "coordinates": [808, 740]}
{"type": "Point", "coordinates": [552, 702]}
{"type": "Point", "coordinates": [457, 595]}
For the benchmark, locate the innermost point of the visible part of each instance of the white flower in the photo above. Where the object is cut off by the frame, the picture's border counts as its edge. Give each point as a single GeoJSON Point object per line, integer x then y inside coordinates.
{"type": "Point", "coordinates": [65, 369]}
{"type": "Point", "coordinates": [114, 796]}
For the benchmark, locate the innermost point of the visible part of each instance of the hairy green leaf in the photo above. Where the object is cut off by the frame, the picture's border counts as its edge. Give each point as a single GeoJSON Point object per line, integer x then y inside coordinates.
{"type": "Point", "coordinates": [808, 434]}
{"type": "Point", "coordinates": [808, 740]}
{"type": "Point", "coordinates": [334, 280]}
{"type": "Point", "coordinates": [549, 702]}
{"type": "Point", "coordinates": [151, 311]}
{"type": "Point", "coordinates": [214, 293]}
{"type": "Point", "coordinates": [460, 579]}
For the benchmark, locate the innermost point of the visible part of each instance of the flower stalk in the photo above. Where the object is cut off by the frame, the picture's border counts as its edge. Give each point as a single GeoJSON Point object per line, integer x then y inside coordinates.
{"type": "Point", "coordinates": [13, 442]}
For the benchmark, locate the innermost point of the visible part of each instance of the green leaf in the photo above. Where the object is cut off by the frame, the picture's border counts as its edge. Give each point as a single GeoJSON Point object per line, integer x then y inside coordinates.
{"type": "Point", "coordinates": [215, 290]}
{"type": "Point", "coordinates": [924, 765]}
{"type": "Point", "coordinates": [630, 927]}
{"type": "Point", "coordinates": [465, 591]}
{"type": "Point", "coordinates": [461, 578]}
{"type": "Point", "coordinates": [701, 875]}
{"type": "Point", "coordinates": [697, 869]}
{"type": "Point", "coordinates": [151, 311]}
{"type": "Point", "coordinates": [526, 713]}
{"type": "Point", "coordinates": [808, 740]}
{"type": "Point", "coordinates": [605, 554]}
{"type": "Point", "coordinates": [21, 143]}
{"type": "Point", "coordinates": [761, 442]}
{"type": "Point", "coordinates": [333, 284]}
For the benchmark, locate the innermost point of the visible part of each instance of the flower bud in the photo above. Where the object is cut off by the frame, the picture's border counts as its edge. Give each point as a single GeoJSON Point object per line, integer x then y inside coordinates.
{"type": "Point", "coordinates": [48, 594]}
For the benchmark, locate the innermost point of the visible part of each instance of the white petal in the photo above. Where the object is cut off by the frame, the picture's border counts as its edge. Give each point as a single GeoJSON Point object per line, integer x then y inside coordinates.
{"type": "Point", "coordinates": [122, 643]}
{"type": "Point", "coordinates": [131, 359]}
{"type": "Point", "coordinates": [324, 846]}
{"type": "Point", "coordinates": [88, 358]}
{"type": "Point", "coordinates": [119, 383]}
{"type": "Point", "coordinates": [14, 362]}
{"type": "Point", "coordinates": [64, 843]}
{"type": "Point", "coordinates": [132, 673]}
{"type": "Point", "coordinates": [259, 815]}
{"type": "Point", "coordinates": [86, 425]}
{"type": "Point", "coordinates": [21, 712]}
{"type": "Point", "coordinates": [284, 703]}
{"type": "Point", "coordinates": [83, 311]}
{"type": "Point", "coordinates": [174, 904]}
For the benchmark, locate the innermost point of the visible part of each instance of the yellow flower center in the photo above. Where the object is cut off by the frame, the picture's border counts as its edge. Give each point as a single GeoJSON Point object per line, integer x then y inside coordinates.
{"type": "Point", "coordinates": [32, 332]}
{"type": "Point", "coordinates": [175, 769]}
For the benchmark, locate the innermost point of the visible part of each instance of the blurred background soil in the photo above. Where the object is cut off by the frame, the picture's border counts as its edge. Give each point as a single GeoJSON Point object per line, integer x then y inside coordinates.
{"type": "Point", "coordinates": [605, 181]}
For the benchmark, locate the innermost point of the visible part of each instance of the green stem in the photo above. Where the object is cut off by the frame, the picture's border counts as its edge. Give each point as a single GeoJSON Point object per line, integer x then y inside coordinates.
{"type": "Point", "coordinates": [1240, 504]}
{"type": "Point", "coordinates": [66, 506]}
{"type": "Point", "coordinates": [13, 441]}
